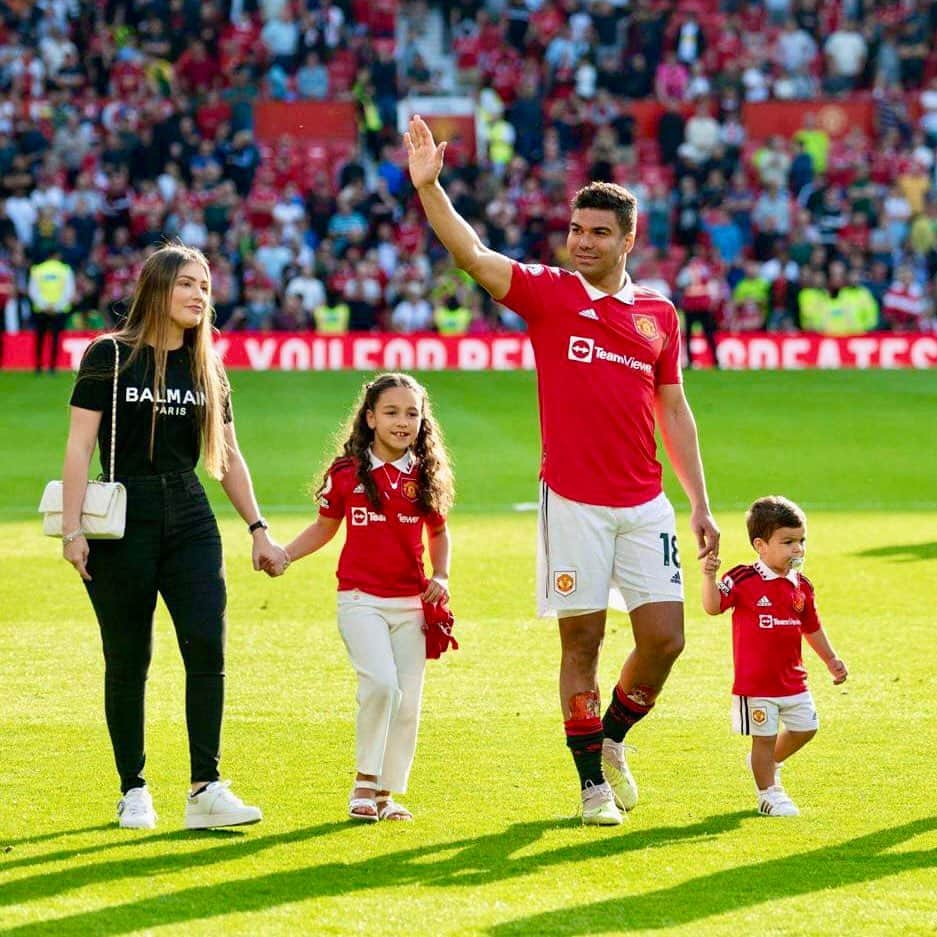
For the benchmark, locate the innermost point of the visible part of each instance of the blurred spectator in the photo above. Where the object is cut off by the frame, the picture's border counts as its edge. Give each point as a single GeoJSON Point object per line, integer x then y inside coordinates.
{"type": "Point", "coordinates": [845, 51]}
{"type": "Point", "coordinates": [413, 313]}
{"type": "Point", "coordinates": [308, 287]}
{"type": "Point", "coordinates": [333, 316]}
{"type": "Point", "coordinates": [904, 305]}
{"type": "Point", "coordinates": [748, 308]}
{"type": "Point", "coordinates": [699, 298]}
{"type": "Point", "coordinates": [51, 292]}
{"type": "Point", "coordinates": [452, 318]}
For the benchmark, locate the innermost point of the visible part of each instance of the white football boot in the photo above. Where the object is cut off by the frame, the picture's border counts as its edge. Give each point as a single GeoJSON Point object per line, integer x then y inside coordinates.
{"type": "Point", "coordinates": [598, 806]}
{"type": "Point", "coordinates": [618, 774]}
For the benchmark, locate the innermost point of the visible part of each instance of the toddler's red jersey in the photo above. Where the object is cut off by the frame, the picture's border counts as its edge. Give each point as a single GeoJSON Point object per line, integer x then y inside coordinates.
{"type": "Point", "coordinates": [769, 614]}
{"type": "Point", "coordinates": [600, 360]}
{"type": "Point", "coordinates": [379, 557]}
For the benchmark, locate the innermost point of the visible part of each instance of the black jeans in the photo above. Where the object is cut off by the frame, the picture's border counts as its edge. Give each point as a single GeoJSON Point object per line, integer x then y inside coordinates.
{"type": "Point", "coordinates": [171, 546]}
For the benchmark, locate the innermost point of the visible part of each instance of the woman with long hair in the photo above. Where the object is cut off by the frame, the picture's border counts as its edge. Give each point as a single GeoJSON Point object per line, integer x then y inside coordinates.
{"type": "Point", "coordinates": [390, 481]}
{"type": "Point", "coordinates": [173, 406]}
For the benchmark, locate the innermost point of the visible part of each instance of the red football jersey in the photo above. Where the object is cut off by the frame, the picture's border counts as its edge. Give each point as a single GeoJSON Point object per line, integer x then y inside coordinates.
{"type": "Point", "coordinates": [379, 557]}
{"type": "Point", "coordinates": [600, 359]}
{"type": "Point", "coordinates": [769, 614]}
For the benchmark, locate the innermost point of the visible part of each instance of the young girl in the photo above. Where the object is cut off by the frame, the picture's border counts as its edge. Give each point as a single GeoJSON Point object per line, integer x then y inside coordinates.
{"type": "Point", "coordinates": [392, 478]}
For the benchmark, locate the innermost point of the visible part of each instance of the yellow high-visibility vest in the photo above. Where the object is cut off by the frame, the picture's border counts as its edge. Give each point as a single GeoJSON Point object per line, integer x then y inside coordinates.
{"type": "Point", "coordinates": [332, 320]}
{"type": "Point", "coordinates": [452, 321]}
{"type": "Point", "coordinates": [51, 278]}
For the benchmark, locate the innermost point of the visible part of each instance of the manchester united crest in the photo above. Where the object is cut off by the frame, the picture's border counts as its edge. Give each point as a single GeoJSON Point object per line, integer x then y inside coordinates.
{"type": "Point", "coordinates": [564, 581]}
{"type": "Point", "coordinates": [759, 717]}
{"type": "Point", "coordinates": [646, 326]}
{"type": "Point", "coordinates": [410, 489]}
{"type": "Point", "coordinates": [799, 601]}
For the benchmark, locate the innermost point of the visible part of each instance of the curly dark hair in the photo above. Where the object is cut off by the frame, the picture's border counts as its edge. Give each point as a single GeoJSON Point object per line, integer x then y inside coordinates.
{"type": "Point", "coordinates": [437, 487]}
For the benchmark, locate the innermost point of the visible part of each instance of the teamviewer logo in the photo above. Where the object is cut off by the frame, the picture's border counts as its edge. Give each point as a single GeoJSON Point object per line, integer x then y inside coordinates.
{"type": "Point", "coordinates": [581, 349]}
{"type": "Point", "coordinates": [359, 517]}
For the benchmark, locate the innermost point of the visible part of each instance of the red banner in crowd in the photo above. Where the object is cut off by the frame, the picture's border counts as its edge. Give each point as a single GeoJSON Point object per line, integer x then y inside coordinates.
{"type": "Point", "coordinates": [315, 121]}
{"type": "Point", "coordinates": [306, 351]}
{"type": "Point", "coordinates": [836, 117]}
{"type": "Point", "coordinates": [765, 118]}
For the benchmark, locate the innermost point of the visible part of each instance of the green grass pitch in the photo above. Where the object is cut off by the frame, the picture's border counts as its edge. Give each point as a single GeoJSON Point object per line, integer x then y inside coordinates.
{"type": "Point", "coordinates": [496, 848]}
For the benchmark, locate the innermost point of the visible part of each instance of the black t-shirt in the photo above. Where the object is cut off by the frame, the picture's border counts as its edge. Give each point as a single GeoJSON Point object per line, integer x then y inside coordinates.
{"type": "Point", "coordinates": [177, 442]}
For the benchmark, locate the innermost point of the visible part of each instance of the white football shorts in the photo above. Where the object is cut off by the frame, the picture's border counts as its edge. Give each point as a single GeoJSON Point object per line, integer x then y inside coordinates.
{"type": "Point", "coordinates": [763, 715]}
{"type": "Point", "coordinates": [591, 557]}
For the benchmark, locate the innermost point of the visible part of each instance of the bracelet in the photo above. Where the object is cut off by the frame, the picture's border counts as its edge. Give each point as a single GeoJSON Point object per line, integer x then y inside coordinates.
{"type": "Point", "coordinates": [72, 537]}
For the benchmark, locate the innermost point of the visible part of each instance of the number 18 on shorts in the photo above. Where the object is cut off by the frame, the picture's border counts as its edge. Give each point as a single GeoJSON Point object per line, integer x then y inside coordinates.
{"type": "Point", "coordinates": [590, 557]}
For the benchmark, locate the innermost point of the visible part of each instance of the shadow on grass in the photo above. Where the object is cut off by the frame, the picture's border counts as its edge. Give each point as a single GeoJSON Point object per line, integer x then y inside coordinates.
{"type": "Point", "coordinates": [460, 863]}
{"type": "Point", "coordinates": [471, 862]}
{"type": "Point", "coordinates": [864, 859]}
{"type": "Point", "coordinates": [905, 552]}
{"type": "Point", "coordinates": [121, 839]}
{"type": "Point", "coordinates": [234, 844]}
{"type": "Point", "coordinates": [57, 834]}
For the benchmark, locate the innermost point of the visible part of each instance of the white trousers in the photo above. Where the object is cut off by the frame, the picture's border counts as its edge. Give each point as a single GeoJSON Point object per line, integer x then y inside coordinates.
{"type": "Point", "coordinates": [387, 648]}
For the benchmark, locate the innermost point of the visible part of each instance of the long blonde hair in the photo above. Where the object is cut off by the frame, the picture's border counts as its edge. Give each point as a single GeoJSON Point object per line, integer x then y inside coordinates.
{"type": "Point", "coordinates": [148, 323]}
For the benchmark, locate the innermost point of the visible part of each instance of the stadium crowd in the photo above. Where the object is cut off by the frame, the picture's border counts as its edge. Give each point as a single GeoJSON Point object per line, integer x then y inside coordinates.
{"type": "Point", "coordinates": [123, 123]}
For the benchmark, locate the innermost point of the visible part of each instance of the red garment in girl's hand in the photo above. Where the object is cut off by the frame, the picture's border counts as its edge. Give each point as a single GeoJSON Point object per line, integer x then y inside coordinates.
{"type": "Point", "coordinates": [438, 629]}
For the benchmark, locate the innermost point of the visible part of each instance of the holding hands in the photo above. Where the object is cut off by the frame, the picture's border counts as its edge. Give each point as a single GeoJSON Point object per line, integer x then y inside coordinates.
{"type": "Point", "coordinates": [706, 531]}
{"type": "Point", "coordinates": [710, 565]}
{"type": "Point", "coordinates": [268, 555]}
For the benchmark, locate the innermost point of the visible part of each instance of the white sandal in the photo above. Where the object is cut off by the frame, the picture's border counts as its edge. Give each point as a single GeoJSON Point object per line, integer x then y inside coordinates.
{"type": "Point", "coordinates": [389, 809]}
{"type": "Point", "coordinates": [357, 805]}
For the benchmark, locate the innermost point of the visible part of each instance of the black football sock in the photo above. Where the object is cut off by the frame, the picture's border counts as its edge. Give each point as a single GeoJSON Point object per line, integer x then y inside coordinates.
{"type": "Point", "coordinates": [622, 714]}
{"type": "Point", "coordinates": [584, 738]}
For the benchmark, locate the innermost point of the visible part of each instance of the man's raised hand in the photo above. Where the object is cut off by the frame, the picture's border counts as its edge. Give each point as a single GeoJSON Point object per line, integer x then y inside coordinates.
{"type": "Point", "coordinates": [424, 156]}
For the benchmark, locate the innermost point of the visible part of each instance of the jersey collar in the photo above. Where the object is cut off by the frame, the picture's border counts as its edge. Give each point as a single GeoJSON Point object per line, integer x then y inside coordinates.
{"type": "Point", "coordinates": [625, 294]}
{"type": "Point", "coordinates": [403, 464]}
{"type": "Point", "coordinates": [767, 573]}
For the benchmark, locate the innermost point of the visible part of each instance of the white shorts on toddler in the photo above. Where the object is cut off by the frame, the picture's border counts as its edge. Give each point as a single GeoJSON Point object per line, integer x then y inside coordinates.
{"type": "Point", "coordinates": [591, 557]}
{"type": "Point", "coordinates": [763, 715]}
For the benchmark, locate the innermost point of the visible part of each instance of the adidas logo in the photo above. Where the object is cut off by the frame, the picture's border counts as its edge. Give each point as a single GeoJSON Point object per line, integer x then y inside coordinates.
{"type": "Point", "coordinates": [358, 490]}
{"type": "Point", "coordinates": [764, 602]}
{"type": "Point", "coordinates": [589, 314]}
{"type": "Point", "coordinates": [675, 578]}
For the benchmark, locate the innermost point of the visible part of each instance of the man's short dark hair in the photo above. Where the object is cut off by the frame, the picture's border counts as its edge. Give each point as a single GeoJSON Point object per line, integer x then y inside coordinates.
{"type": "Point", "coordinates": [769, 514]}
{"type": "Point", "coordinates": [607, 196]}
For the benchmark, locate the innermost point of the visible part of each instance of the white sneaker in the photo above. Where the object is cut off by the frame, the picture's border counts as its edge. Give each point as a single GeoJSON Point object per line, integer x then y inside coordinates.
{"type": "Point", "coordinates": [618, 774]}
{"type": "Point", "coordinates": [774, 802]}
{"type": "Point", "coordinates": [135, 810]}
{"type": "Point", "coordinates": [215, 805]}
{"type": "Point", "coordinates": [598, 806]}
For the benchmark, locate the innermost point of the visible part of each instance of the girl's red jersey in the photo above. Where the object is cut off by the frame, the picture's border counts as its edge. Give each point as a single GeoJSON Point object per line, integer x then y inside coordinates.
{"type": "Point", "coordinates": [383, 552]}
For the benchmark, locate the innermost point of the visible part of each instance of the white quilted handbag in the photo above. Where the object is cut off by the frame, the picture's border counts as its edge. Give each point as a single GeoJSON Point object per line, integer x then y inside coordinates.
{"type": "Point", "coordinates": [104, 511]}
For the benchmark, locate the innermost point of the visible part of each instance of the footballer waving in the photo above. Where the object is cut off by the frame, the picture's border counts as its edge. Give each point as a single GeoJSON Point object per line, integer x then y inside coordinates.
{"type": "Point", "coordinates": [608, 367]}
